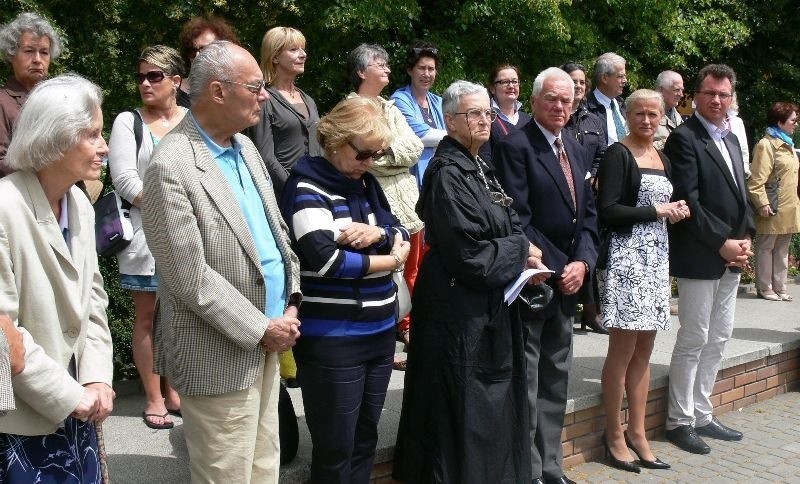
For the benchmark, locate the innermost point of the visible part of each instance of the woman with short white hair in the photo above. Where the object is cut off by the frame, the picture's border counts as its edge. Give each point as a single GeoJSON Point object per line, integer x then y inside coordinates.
{"type": "Point", "coordinates": [52, 287]}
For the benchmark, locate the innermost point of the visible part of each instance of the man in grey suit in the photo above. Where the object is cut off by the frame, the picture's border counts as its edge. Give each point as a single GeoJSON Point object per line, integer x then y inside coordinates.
{"type": "Point", "coordinates": [670, 85]}
{"type": "Point", "coordinates": [12, 361]}
{"type": "Point", "coordinates": [228, 280]}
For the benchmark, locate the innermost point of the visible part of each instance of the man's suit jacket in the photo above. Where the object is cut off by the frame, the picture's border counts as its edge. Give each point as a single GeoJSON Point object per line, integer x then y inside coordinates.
{"type": "Point", "coordinates": [597, 108]}
{"type": "Point", "coordinates": [531, 174]}
{"type": "Point", "coordinates": [718, 204]}
{"type": "Point", "coordinates": [665, 127]}
{"type": "Point", "coordinates": [212, 292]}
{"type": "Point", "coordinates": [55, 295]}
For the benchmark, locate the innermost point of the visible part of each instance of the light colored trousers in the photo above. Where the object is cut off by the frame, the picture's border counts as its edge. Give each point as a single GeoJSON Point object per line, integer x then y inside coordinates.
{"type": "Point", "coordinates": [705, 312]}
{"type": "Point", "coordinates": [233, 437]}
{"type": "Point", "coordinates": [772, 261]}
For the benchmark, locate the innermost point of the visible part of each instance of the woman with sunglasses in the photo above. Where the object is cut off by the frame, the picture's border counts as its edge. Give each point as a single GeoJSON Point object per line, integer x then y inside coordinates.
{"type": "Point", "coordinates": [465, 407]}
{"type": "Point", "coordinates": [348, 242]}
{"type": "Point", "coordinates": [368, 68]}
{"type": "Point", "coordinates": [504, 87]}
{"type": "Point", "coordinates": [288, 127]}
{"type": "Point", "coordinates": [158, 77]}
{"type": "Point", "coordinates": [421, 107]}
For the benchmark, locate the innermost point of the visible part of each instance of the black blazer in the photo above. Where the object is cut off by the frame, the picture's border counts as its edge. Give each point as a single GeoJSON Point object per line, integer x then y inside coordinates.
{"type": "Point", "coordinates": [500, 129]}
{"type": "Point", "coordinates": [718, 204]}
{"type": "Point", "coordinates": [597, 108]}
{"type": "Point", "coordinates": [531, 174]}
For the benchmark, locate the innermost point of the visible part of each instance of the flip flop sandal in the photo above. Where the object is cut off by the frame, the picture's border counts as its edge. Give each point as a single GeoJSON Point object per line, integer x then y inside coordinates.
{"type": "Point", "coordinates": [165, 425]}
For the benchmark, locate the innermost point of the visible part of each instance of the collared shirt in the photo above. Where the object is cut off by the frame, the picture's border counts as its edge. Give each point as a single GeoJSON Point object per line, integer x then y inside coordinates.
{"type": "Point", "coordinates": [611, 128]}
{"type": "Point", "coordinates": [718, 134]}
{"type": "Point", "coordinates": [513, 119]}
{"type": "Point", "coordinates": [232, 164]}
{"type": "Point", "coordinates": [550, 137]}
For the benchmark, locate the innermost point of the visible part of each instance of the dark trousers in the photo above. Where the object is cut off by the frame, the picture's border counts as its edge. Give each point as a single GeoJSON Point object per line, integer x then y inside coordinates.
{"type": "Point", "coordinates": [343, 406]}
{"type": "Point", "coordinates": [548, 355]}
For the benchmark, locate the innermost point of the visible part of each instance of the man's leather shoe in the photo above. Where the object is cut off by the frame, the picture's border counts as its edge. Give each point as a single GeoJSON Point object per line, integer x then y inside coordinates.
{"type": "Point", "coordinates": [716, 430]}
{"type": "Point", "coordinates": [559, 480]}
{"type": "Point", "coordinates": [685, 437]}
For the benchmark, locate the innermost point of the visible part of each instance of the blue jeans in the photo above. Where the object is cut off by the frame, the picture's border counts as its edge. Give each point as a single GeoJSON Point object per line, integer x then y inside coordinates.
{"type": "Point", "coordinates": [343, 406]}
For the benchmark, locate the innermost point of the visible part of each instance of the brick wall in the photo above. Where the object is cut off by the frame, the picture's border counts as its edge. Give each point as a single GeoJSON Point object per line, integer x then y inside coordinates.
{"type": "Point", "coordinates": [736, 387]}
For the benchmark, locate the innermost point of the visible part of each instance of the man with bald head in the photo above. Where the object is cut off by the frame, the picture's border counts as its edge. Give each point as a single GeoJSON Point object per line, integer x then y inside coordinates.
{"type": "Point", "coordinates": [228, 280]}
{"type": "Point", "coordinates": [670, 85]}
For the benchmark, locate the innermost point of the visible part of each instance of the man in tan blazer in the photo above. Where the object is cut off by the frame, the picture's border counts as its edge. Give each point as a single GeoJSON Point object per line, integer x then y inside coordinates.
{"type": "Point", "coordinates": [228, 280]}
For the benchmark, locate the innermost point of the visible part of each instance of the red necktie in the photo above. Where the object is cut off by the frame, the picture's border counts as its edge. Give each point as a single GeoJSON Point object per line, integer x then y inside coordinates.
{"type": "Point", "coordinates": [564, 161]}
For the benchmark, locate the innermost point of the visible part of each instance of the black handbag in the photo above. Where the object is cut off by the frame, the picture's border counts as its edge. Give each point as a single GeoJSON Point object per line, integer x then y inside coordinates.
{"type": "Point", "coordinates": [532, 299]}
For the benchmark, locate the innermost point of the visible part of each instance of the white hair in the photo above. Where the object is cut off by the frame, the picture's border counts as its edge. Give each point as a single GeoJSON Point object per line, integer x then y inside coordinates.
{"type": "Point", "coordinates": [53, 119]}
{"type": "Point", "coordinates": [214, 63]}
{"type": "Point", "coordinates": [607, 64]}
{"type": "Point", "coordinates": [452, 96]}
{"type": "Point", "coordinates": [666, 78]}
{"type": "Point", "coordinates": [11, 32]}
{"type": "Point", "coordinates": [551, 73]}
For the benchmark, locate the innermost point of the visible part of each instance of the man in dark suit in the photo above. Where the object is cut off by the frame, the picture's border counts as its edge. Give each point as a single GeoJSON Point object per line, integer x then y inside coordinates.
{"type": "Point", "coordinates": [605, 100]}
{"type": "Point", "coordinates": [545, 173]}
{"type": "Point", "coordinates": [707, 252]}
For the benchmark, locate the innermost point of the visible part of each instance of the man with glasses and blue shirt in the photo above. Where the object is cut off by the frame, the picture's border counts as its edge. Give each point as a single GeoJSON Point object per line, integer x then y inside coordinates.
{"type": "Point", "coordinates": [229, 282]}
{"type": "Point", "coordinates": [707, 253]}
{"type": "Point", "coordinates": [605, 100]}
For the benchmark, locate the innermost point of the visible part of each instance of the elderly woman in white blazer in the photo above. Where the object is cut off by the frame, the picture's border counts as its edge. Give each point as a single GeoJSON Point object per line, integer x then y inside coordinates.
{"type": "Point", "coordinates": [52, 288]}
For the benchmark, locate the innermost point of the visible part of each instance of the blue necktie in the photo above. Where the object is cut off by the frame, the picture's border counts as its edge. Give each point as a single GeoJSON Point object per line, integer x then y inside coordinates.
{"type": "Point", "coordinates": [621, 131]}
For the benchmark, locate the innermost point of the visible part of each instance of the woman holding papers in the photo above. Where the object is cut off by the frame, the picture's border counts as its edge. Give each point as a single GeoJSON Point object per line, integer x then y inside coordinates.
{"type": "Point", "coordinates": [634, 206]}
{"type": "Point", "coordinates": [464, 416]}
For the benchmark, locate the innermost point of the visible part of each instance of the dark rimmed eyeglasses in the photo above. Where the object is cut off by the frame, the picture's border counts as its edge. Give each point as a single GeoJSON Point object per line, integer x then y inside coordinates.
{"type": "Point", "coordinates": [475, 115]}
{"type": "Point", "coordinates": [723, 96]}
{"type": "Point", "coordinates": [151, 76]}
{"type": "Point", "coordinates": [362, 155]}
{"type": "Point", "coordinates": [507, 82]}
{"type": "Point", "coordinates": [254, 88]}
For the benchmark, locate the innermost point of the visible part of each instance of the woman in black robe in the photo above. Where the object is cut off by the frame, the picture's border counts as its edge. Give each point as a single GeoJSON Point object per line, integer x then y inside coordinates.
{"type": "Point", "coordinates": [464, 416]}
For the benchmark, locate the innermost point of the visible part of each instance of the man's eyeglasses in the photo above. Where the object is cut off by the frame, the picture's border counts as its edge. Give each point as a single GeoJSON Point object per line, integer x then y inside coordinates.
{"type": "Point", "coordinates": [723, 96]}
{"type": "Point", "coordinates": [507, 82]}
{"type": "Point", "coordinates": [362, 155]}
{"type": "Point", "coordinates": [379, 65]}
{"type": "Point", "coordinates": [151, 76]}
{"type": "Point", "coordinates": [254, 88]}
{"type": "Point", "coordinates": [475, 115]}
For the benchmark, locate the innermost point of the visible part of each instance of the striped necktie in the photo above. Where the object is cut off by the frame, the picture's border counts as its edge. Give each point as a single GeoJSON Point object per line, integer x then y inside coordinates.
{"type": "Point", "coordinates": [618, 123]}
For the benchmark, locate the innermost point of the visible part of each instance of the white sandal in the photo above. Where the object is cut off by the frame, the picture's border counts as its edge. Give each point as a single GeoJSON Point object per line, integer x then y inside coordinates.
{"type": "Point", "coordinates": [785, 296]}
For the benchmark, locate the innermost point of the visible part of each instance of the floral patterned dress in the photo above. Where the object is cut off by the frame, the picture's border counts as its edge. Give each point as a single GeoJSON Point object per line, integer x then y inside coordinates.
{"type": "Point", "coordinates": [635, 287]}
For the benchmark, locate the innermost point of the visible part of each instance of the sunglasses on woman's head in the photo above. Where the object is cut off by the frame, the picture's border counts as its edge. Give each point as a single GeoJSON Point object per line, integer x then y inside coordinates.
{"type": "Point", "coordinates": [151, 76]}
{"type": "Point", "coordinates": [362, 155]}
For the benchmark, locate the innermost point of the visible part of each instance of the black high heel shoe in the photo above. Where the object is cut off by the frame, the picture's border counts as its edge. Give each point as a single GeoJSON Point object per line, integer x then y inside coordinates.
{"type": "Point", "coordinates": [594, 325]}
{"type": "Point", "coordinates": [650, 464]}
{"type": "Point", "coordinates": [629, 466]}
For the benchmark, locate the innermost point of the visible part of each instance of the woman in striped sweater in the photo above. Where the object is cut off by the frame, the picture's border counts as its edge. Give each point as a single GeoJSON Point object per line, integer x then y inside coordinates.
{"type": "Point", "coordinates": [348, 243]}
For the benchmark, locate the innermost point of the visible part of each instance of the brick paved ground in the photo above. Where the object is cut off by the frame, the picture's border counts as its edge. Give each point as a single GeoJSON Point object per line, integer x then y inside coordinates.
{"type": "Point", "coordinates": [770, 451]}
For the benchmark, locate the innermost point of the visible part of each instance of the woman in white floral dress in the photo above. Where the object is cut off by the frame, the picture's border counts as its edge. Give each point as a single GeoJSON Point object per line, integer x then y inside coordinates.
{"type": "Point", "coordinates": [634, 206]}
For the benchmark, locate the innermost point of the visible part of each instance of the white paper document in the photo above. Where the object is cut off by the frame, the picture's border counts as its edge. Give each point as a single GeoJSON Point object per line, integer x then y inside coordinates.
{"type": "Point", "coordinates": [514, 287]}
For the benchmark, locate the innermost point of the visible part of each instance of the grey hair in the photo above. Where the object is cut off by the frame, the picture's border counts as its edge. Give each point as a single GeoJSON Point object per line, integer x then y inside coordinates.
{"type": "Point", "coordinates": [551, 73]}
{"type": "Point", "coordinates": [11, 32]}
{"type": "Point", "coordinates": [214, 63]}
{"type": "Point", "coordinates": [53, 119]}
{"type": "Point", "coordinates": [453, 94]}
{"type": "Point", "coordinates": [359, 60]}
{"type": "Point", "coordinates": [666, 78]}
{"type": "Point", "coordinates": [606, 64]}
{"type": "Point", "coordinates": [644, 95]}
